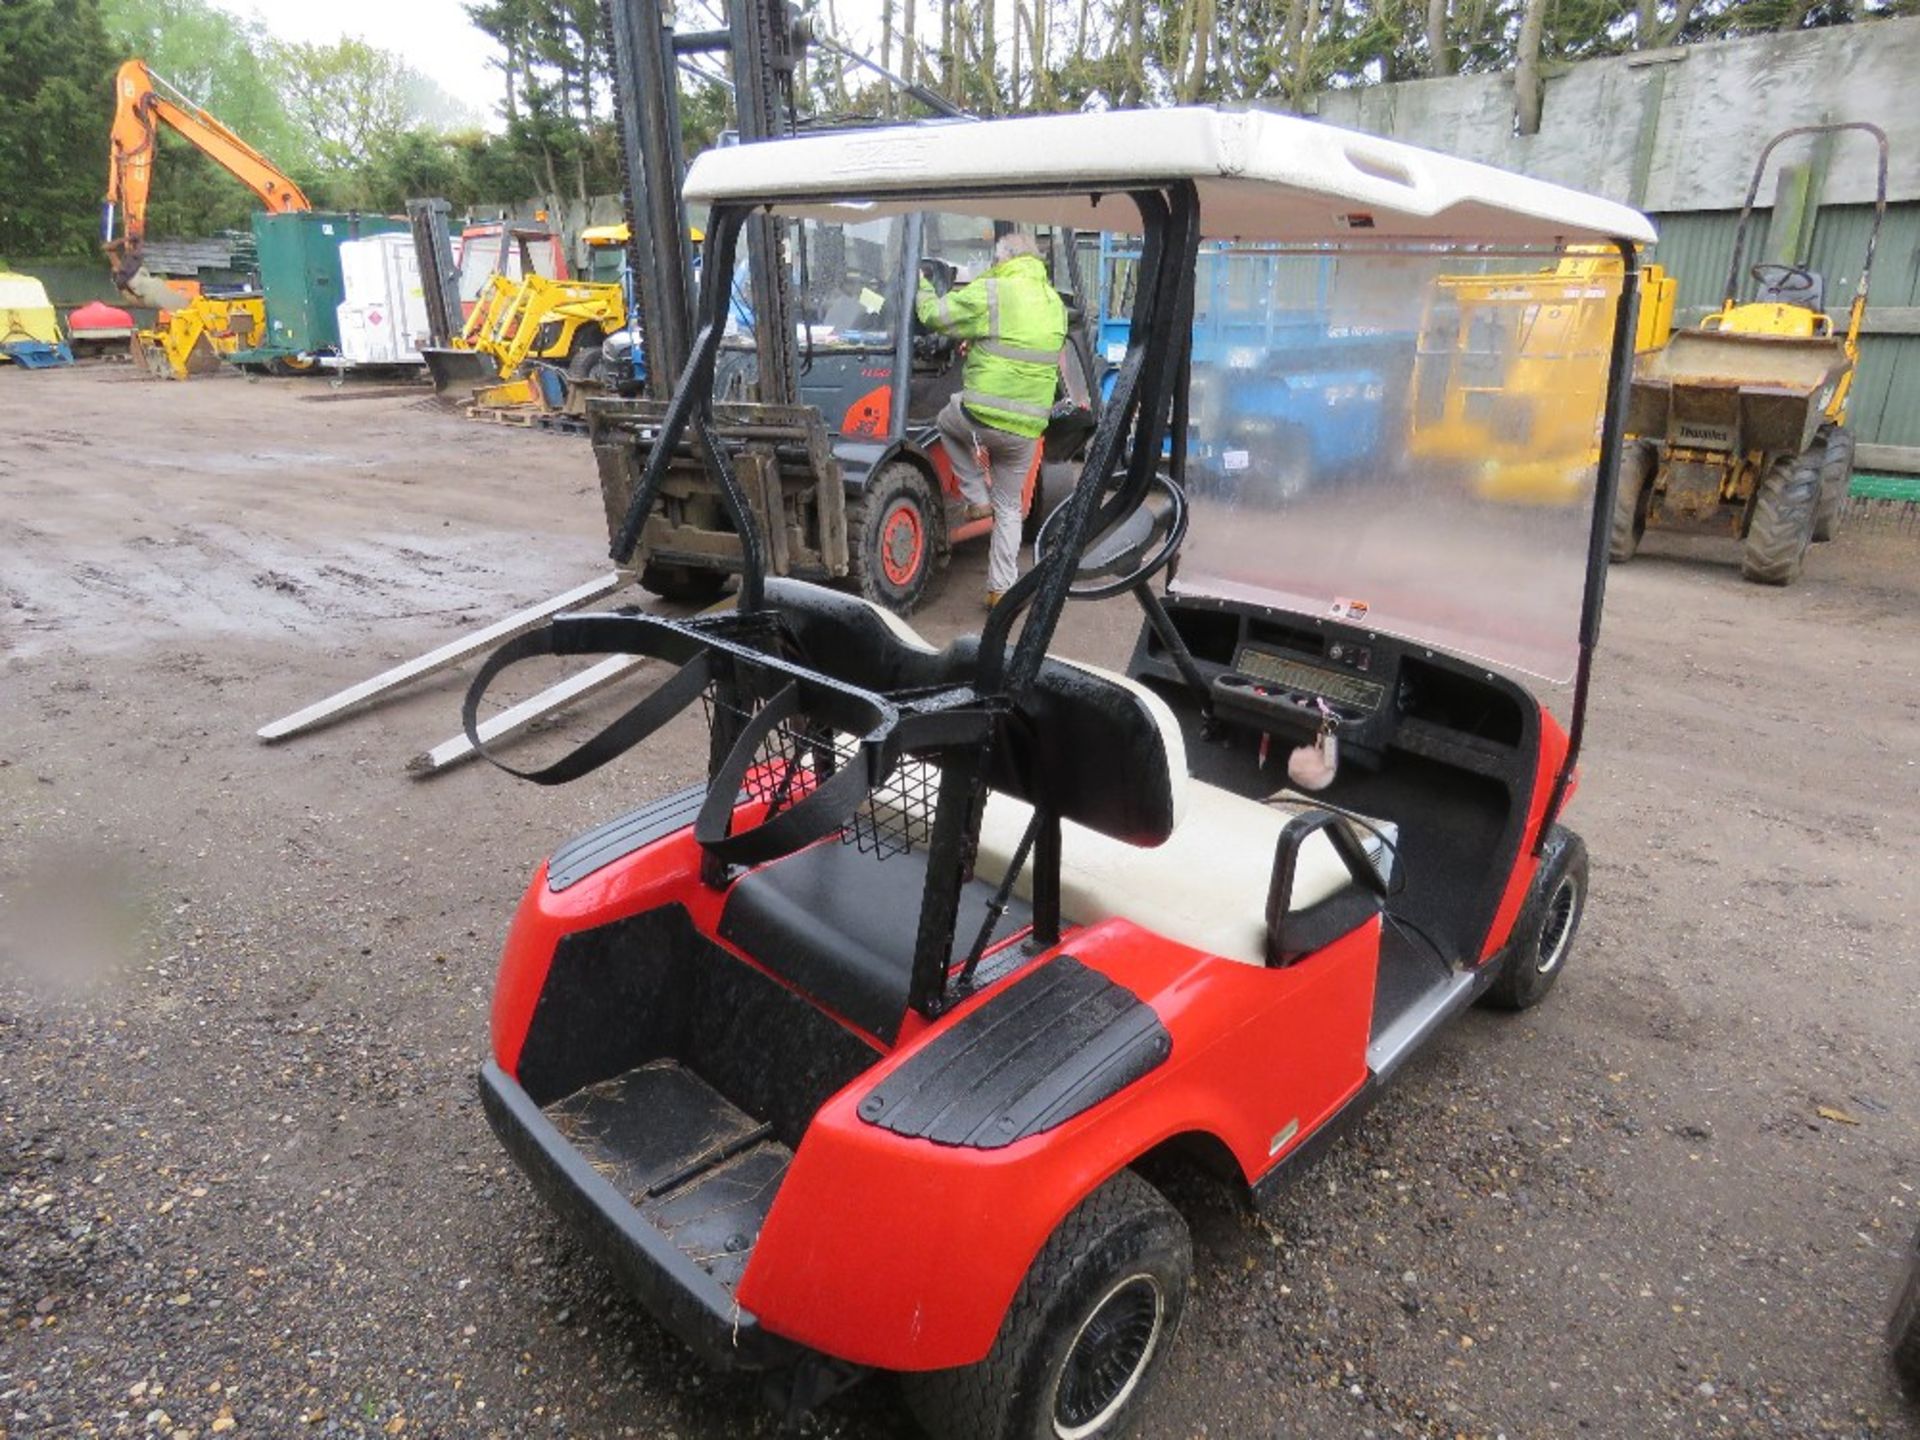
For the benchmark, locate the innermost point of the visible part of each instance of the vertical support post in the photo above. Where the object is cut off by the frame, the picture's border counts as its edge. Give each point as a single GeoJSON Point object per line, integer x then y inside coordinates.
{"type": "Point", "coordinates": [1593, 597]}
{"type": "Point", "coordinates": [439, 276]}
{"type": "Point", "coordinates": [646, 107]}
{"type": "Point", "coordinates": [763, 64]}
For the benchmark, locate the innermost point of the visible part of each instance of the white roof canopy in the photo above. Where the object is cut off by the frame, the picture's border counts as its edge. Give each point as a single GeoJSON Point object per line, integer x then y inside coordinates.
{"type": "Point", "coordinates": [1261, 177]}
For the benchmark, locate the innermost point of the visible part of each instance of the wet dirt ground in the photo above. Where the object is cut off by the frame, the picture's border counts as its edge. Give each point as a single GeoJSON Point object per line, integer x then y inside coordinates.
{"type": "Point", "coordinates": [246, 1188]}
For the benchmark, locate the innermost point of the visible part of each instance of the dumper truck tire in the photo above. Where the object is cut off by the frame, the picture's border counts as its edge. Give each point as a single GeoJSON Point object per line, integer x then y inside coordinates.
{"type": "Point", "coordinates": [1836, 478]}
{"type": "Point", "coordinates": [1087, 1330]}
{"type": "Point", "coordinates": [1782, 525]}
{"type": "Point", "coordinates": [897, 533]}
{"type": "Point", "coordinates": [1638, 464]}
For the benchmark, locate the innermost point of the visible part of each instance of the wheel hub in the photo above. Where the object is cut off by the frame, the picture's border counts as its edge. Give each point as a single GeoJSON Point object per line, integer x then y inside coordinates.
{"type": "Point", "coordinates": [902, 542]}
{"type": "Point", "coordinates": [1557, 931]}
{"type": "Point", "coordinates": [1108, 1356]}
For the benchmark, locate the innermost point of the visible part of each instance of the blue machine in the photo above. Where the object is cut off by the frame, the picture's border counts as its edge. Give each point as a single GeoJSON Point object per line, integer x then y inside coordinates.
{"type": "Point", "coordinates": [1279, 395]}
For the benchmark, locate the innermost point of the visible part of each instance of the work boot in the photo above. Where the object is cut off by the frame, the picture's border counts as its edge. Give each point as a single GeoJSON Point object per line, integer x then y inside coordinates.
{"type": "Point", "coordinates": [979, 512]}
{"type": "Point", "coordinates": [993, 598]}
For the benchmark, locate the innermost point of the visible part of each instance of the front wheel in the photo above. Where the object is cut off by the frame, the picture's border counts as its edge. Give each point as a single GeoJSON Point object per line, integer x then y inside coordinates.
{"type": "Point", "coordinates": [1087, 1331]}
{"type": "Point", "coordinates": [898, 539]}
{"type": "Point", "coordinates": [1632, 498]}
{"type": "Point", "coordinates": [1549, 920]}
{"type": "Point", "coordinates": [683, 584]}
{"type": "Point", "coordinates": [1781, 528]}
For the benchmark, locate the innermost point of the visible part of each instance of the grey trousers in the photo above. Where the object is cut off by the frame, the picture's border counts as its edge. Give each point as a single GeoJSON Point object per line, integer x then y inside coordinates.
{"type": "Point", "coordinates": [1009, 457]}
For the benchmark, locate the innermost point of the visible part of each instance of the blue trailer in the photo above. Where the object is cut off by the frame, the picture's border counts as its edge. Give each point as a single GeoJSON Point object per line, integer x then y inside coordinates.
{"type": "Point", "coordinates": [1282, 396]}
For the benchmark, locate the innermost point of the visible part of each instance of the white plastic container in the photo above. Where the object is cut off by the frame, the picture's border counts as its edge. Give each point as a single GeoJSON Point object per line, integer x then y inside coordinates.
{"type": "Point", "coordinates": [383, 317]}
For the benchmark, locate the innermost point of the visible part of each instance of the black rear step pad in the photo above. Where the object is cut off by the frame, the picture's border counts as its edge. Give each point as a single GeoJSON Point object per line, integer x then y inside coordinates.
{"type": "Point", "coordinates": [1053, 1044]}
{"type": "Point", "coordinates": [667, 1181]}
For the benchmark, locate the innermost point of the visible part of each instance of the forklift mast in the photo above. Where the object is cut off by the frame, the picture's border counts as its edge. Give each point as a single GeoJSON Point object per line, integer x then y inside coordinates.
{"type": "Point", "coordinates": [764, 42]}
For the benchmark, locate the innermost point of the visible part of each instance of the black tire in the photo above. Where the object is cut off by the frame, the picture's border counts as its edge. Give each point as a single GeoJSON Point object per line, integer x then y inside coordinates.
{"type": "Point", "coordinates": [1085, 1335]}
{"type": "Point", "coordinates": [583, 362]}
{"type": "Point", "coordinates": [897, 534]}
{"type": "Point", "coordinates": [1836, 478]}
{"type": "Point", "coordinates": [1549, 922]}
{"type": "Point", "coordinates": [683, 584]}
{"type": "Point", "coordinates": [1903, 1331]}
{"type": "Point", "coordinates": [1639, 463]}
{"type": "Point", "coordinates": [1781, 527]}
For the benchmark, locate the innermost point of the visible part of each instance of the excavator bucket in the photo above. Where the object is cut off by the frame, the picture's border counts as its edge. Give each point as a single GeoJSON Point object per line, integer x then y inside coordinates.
{"type": "Point", "coordinates": [144, 287]}
{"type": "Point", "coordinates": [459, 373]}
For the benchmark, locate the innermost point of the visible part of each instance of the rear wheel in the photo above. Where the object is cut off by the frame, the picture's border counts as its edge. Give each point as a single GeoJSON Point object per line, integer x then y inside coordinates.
{"type": "Point", "coordinates": [1638, 464]}
{"type": "Point", "coordinates": [897, 539]}
{"type": "Point", "coordinates": [1782, 525]}
{"type": "Point", "coordinates": [1085, 1335]}
{"type": "Point", "coordinates": [1903, 1333]}
{"type": "Point", "coordinates": [682, 583]}
{"type": "Point", "coordinates": [1836, 477]}
{"type": "Point", "coordinates": [1549, 920]}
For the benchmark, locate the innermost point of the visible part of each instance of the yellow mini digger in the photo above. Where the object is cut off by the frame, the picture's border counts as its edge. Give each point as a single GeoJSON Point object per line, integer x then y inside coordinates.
{"type": "Point", "coordinates": [1740, 423]}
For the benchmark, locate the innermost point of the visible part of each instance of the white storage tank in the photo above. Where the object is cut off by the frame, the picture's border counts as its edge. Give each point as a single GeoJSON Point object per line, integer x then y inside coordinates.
{"type": "Point", "coordinates": [383, 319]}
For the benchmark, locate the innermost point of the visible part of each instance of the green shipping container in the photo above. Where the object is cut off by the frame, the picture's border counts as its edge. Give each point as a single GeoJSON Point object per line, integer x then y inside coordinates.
{"type": "Point", "coordinates": [300, 273]}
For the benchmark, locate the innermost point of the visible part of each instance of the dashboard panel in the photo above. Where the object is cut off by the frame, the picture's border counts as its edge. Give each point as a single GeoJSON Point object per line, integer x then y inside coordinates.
{"type": "Point", "coordinates": [1286, 675]}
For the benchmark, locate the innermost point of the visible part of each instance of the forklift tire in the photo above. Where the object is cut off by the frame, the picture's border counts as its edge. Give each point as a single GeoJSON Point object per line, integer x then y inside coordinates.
{"type": "Point", "coordinates": [897, 537]}
{"type": "Point", "coordinates": [1836, 478]}
{"type": "Point", "coordinates": [1639, 463]}
{"type": "Point", "coordinates": [1903, 1331]}
{"type": "Point", "coordinates": [1782, 525]}
{"type": "Point", "coordinates": [683, 584]}
{"type": "Point", "coordinates": [1087, 1330]}
{"type": "Point", "coordinates": [1549, 921]}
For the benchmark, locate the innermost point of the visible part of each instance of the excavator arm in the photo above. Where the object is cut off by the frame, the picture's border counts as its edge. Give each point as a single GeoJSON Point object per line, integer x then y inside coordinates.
{"type": "Point", "coordinates": [143, 103]}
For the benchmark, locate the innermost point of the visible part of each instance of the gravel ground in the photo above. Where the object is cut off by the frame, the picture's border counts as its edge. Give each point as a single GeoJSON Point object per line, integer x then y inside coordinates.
{"type": "Point", "coordinates": [245, 1186]}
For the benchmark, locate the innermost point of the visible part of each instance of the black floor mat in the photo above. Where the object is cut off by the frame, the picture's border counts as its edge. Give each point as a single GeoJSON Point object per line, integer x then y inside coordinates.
{"type": "Point", "coordinates": [697, 1167]}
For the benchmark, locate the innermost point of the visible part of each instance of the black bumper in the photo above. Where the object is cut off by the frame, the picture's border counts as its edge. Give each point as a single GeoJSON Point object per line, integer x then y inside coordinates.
{"type": "Point", "coordinates": [682, 1296]}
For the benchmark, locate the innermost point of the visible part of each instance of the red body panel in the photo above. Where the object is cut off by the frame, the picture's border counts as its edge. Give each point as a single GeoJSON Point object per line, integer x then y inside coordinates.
{"type": "Point", "coordinates": [904, 1254]}
{"type": "Point", "coordinates": [851, 1260]}
{"type": "Point", "coordinates": [1547, 762]}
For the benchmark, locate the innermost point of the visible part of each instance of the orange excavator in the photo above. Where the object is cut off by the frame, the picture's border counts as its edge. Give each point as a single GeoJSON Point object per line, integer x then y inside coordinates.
{"type": "Point", "coordinates": [197, 329]}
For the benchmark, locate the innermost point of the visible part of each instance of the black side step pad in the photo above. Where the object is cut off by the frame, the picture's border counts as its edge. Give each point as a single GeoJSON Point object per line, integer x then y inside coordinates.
{"type": "Point", "coordinates": [1051, 1045]}
{"type": "Point", "coordinates": [696, 1166]}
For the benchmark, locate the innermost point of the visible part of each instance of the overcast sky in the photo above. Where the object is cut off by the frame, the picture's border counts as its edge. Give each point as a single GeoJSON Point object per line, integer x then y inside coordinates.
{"type": "Point", "coordinates": [433, 36]}
{"type": "Point", "coordinates": [436, 38]}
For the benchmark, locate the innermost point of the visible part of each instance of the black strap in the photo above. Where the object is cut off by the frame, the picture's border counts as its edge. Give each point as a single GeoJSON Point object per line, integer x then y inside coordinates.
{"type": "Point", "coordinates": [623, 734]}
{"type": "Point", "coordinates": [824, 809]}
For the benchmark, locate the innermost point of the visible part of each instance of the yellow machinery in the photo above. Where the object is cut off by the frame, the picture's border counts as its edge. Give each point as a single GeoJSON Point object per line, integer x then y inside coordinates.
{"type": "Point", "coordinates": [196, 329]}
{"type": "Point", "coordinates": [520, 328]}
{"type": "Point", "coordinates": [192, 339]}
{"type": "Point", "coordinates": [1742, 420]}
{"type": "Point", "coordinates": [1511, 369]}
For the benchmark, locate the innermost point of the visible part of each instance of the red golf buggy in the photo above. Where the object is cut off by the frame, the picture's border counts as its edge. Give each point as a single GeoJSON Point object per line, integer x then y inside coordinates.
{"type": "Point", "coordinates": [848, 1058]}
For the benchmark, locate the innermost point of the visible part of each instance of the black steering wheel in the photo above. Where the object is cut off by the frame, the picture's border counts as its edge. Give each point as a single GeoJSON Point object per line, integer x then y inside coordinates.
{"type": "Point", "coordinates": [937, 273]}
{"type": "Point", "coordinates": [1132, 550]}
{"type": "Point", "coordinates": [1786, 279]}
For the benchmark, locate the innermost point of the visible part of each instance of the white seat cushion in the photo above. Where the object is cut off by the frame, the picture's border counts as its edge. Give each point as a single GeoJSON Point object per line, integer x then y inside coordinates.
{"type": "Point", "coordinates": [1205, 887]}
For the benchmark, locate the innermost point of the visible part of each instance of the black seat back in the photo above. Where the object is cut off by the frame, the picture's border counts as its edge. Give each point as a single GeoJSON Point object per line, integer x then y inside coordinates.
{"type": "Point", "coordinates": [1084, 745]}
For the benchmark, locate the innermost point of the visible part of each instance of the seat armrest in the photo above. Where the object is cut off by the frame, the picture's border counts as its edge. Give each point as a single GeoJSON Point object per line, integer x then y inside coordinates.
{"type": "Point", "coordinates": [1292, 934]}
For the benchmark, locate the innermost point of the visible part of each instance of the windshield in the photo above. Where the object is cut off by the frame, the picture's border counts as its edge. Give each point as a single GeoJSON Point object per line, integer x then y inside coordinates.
{"type": "Point", "coordinates": [1405, 438]}
{"type": "Point", "coordinates": [845, 281]}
